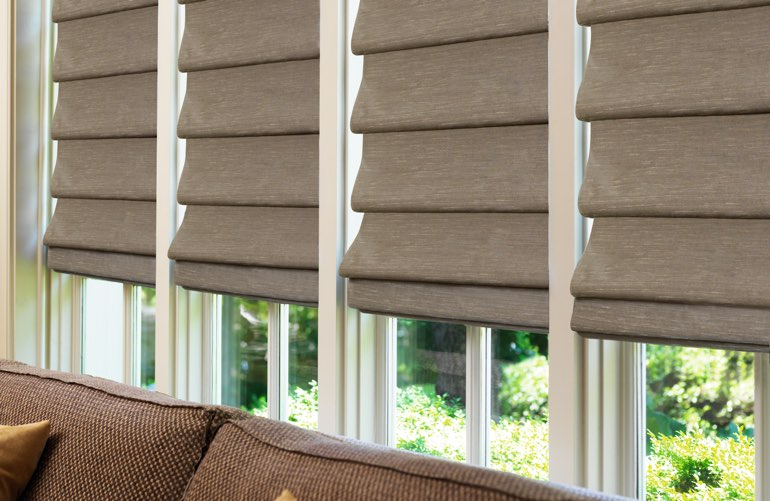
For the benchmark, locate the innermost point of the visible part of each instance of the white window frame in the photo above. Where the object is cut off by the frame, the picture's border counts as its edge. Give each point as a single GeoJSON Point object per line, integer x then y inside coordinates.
{"type": "Point", "coordinates": [596, 416]}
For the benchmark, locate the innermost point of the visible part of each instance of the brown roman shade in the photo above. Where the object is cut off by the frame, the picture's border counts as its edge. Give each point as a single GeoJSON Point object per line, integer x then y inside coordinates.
{"type": "Point", "coordinates": [105, 64]}
{"type": "Point", "coordinates": [454, 177]}
{"type": "Point", "coordinates": [250, 179]}
{"type": "Point", "coordinates": [678, 174]}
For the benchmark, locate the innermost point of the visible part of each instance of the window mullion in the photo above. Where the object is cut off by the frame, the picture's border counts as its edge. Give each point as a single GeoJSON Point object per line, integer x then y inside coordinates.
{"type": "Point", "coordinates": [762, 424]}
{"type": "Point", "coordinates": [478, 393]}
{"type": "Point", "coordinates": [386, 380]}
{"type": "Point", "coordinates": [76, 325]}
{"type": "Point", "coordinates": [132, 334]}
{"type": "Point", "coordinates": [278, 361]}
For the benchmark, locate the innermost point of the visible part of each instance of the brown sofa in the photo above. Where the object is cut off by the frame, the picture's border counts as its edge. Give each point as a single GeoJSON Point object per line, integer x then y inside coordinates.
{"type": "Point", "coordinates": [111, 441]}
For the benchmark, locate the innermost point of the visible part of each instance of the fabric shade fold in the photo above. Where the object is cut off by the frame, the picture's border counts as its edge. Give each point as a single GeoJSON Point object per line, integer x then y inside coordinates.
{"type": "Point", "coordinates": [105, 123]}
{"type": "Point", "coordinates": [677, 174]}
{"type": "Point", "coordinates": [66, 10]}
{"type": "Point", "coordinates": [453, 182]}
{"type": "Point", "coordinates": [250, 180]}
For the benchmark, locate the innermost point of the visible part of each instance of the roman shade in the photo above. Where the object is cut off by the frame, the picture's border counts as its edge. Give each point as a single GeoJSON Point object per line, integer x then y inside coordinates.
{"type": "Point", "coordinates": [679, 103]}
{"type": "Point", "coordinates": [453, 108]}
{"type": "Point", "coordinates": [250, 180]}
{"type": "Point", "coordinates": [105, 122]}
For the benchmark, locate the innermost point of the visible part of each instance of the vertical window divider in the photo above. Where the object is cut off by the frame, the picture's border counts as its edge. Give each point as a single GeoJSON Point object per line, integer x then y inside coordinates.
{"type": "Point", "coordinates": [762, 425]}
{"type": "Point", "coordinates": [75, 333]}
{"type": "Point", "coordinates": [278, 361]}
{"type": "Point", "coordinates": [386, 379]}
{"type": "Point", "coordinates": [478, 391]}
{"type": "Point", "coordinates": [566, 420]}
{"type": "Point", "coordinates": [210, 341]}
{"type": "Point", "coordinates": [7, 52]}
{"type": "Point", "coordinates": [166, 216]}
{"type": "Point", "coordinates": [45, 169]}
{"type": "Point", "coordinates": [331, 287]}
{"type": "Point", "coordinates": [132, 334]}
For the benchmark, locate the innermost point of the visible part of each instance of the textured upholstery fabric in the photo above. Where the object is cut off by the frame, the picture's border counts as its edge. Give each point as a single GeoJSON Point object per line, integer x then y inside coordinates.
{"type": "Point", "coordinates": [105, 122]}
{"type": "Point", "coordinates": [453, 106]}
{"type": "Point", "coordinates": [250, 117]}
{"type": "Point", "coordinates": [108, 441]}
{"type": "Point", "coordinates": [274, 456]}
{"type": "Point", "coordinates": [677, 176]}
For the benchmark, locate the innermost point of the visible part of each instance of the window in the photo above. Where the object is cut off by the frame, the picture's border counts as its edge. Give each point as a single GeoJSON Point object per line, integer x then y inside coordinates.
{"type": "Point", "coordinates": [147, 368]}
{"type": "Point", "coordinates": [244, 354]}
{"type": "Point", "coordinates": [435, 404]}
{"type": "Point", "coordinates": [303, 366]}
{"type": "Point", "coordinates": [249, 360]}
{"type": "Point", "coordinates": [700, 424]}
{"type": "Point", "coordinates": [103, 347]}
{"type": "Point", "coordinates": [430, 399]}
{"type": "Point", "coordinates": [519, 428]}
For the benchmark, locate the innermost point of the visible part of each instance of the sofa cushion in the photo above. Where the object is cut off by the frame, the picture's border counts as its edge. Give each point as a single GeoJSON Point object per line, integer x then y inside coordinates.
{"type": "Point", "coordinates": [108, 441]}
{"type": "Point", "coordinates": [258, 459]}
{"type": "Point", "coordinates": [20, 450]}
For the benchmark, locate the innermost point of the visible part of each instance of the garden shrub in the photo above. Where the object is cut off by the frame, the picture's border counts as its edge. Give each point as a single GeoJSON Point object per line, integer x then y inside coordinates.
{"type": "Point", "coordinates": [693, 466]}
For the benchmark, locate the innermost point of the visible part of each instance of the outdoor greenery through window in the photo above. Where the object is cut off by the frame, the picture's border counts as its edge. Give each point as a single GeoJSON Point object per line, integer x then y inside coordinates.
{"type": "Point", "coordinates": [245, 358]}
{"type": "Point", "coordinates": [519, 428]}
{"type": "Point", "coordinates": [431, 395]}
{"type": "Point", "coordinates": [700, 424]}
{"type": "Point", "coordinates": [147, 370]}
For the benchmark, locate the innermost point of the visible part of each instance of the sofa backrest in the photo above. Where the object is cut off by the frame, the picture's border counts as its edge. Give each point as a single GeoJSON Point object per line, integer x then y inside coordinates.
{"type": "Point", "coordinates": [259, 458]}
{"type": "Point", "coordinates": [108, 441]}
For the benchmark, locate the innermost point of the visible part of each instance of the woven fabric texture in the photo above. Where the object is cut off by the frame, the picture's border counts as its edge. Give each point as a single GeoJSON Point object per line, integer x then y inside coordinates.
{"type": "Point", "coordinates": [105, 124]}
{"type": "Point", "coordinates": [676, 180]}
{"type": "Point", "coordinates": [405, 24]}
{"type": "Point", "coordinates": [274, 456]}
{"type": "Point", "coordinates": [250, 179]}
{"type": "Point", "coordinates": [453, 108]}
{"type": "Point", "coordinates": [65, 10]}
{"type": "Point", "coordinates": [108, 441]}
{"type": "Point", "coordinates": [591, 12]}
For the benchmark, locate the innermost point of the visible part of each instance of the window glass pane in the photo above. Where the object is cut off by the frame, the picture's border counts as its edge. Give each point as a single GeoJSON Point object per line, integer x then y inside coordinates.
{"type": "Point", "coordinates": [700, 424]}
{"type": "Point", "coordinates": [103, 343]}
{"type": "Point", "coordinates": [303, 366]}
{"type": "Point", "coordinates": [147, 369]}
{"type": "Point", "coordinates": [519, 428]}
{"type": "Point", "coordinates": [244, 354]}
{"type": "Point", "coordinates": [430, 401]}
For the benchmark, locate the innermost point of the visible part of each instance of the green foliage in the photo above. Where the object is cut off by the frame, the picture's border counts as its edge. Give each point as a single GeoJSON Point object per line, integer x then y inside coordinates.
{"type": "Point", "coordinates": [523, 390]}
{"type": "Point", "coordinates": [431, 424]}
{"type": "Point", "coordinates": [303, 406]}
{"type": "Point", "coordinates": [711, 390]}
{"type": "Point", "coordinates": [694, 466]}
{"type": "Point", "coordinates": [427, 423]}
